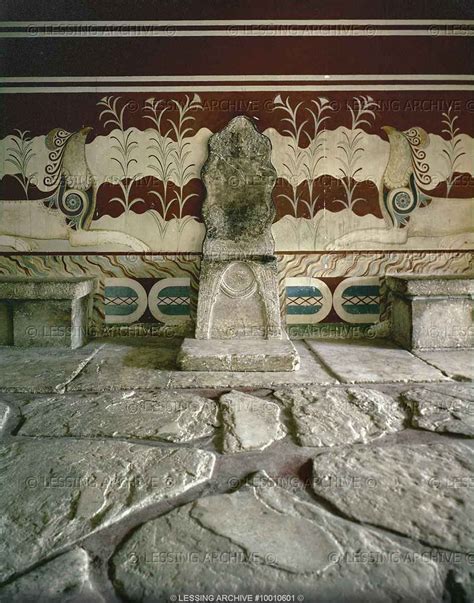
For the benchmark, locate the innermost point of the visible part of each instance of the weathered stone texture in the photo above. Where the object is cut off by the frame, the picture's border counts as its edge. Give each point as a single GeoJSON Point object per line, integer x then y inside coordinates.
{"type": "Point", "coordinates": [65, 579]}
{"type": "Point", "coordinates": [55, 492]}
{"type": "Point", "coordinates": [371, 361]}
{"type": "Point", "coordinates": [261, 539]}
{"type": "Point", "coordinates": [338, 416]}
{"type": "Point", "coordinates": [422, 491]}
{"type": "Point", "coordinates": [4, 415]}
{"type": "Point", "coordinates": [441, 411]}
{"type": "Point", "coordinates": [239, 177]}
{"type": "Point", "coordinates": [250, 423]}
{"type": "Point", "coordinates": [164, 415]}
{"type": "Point", "coordinates": [431, 312]}
{"type": "Point", "coordinates": [46, 311]}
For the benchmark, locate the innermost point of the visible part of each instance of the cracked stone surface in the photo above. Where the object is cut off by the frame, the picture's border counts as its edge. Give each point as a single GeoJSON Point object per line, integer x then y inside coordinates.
{"type": "Point", "coordinates": [424, 491]}
{"type": "Point", "coordinates": [338, 416]}
{"type": "Point", "coordinates": [372, 361]}
{"type": "Point", "coordinates": [69, 489]}
{"type": "Point", "coordinates": [457, 364]}
{"type": "Point", "coordinates": [65, 579]}
{"type": "Point", "coordinates": [40, 371]}
{"type": "Point", "coordinates": [250, 423]}
{"type": "Point", "coordinates": [151, 363]}
{"type": "Point", "coordinates": [4, 415]}
{"type": "Point", "coordinates": [162, 415]}
{"type": "Point", "coordinates": [450, 411]}
{"type": "Point", "coordinates": [131, 364]}
{"type": "Point", "coordinates": [280, 544]}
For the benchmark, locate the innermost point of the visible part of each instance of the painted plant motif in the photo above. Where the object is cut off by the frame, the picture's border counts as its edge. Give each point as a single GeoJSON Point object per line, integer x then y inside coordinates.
{"type": "Point", "coordinates": [20, 155]}
{"type": "Point", "coordinates": [304, 161]}
{"type": "Point", "coordinates": [351, 148]}
{"type": "Point", "coordinates": [169, 157]}
{"type": "Point", "coordinates": [453, 149]}
{"type": "Point", "coordinates": [124, 146]}
{"type": "Point", "coordinates": [300, 160]}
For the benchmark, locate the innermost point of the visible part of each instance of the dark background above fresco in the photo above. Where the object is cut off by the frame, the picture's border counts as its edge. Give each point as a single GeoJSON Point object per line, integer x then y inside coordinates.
{"type": "Point", "coordinates": [233, 9]}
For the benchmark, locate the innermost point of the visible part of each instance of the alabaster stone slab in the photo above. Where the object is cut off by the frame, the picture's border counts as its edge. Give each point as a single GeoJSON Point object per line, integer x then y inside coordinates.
{"type": "Point", "coordinates": [450, 411]}
{"type": "Point", "coordinates": [456, 364]}
{"type": "Point", "coordinates": [55, 492]}
{"type": "Point", "coordinates": [431, 312]}
{"type": "Point", "coordinates": [421, 490]}
{"type": "Point", "coordinates": [170, 416]}
{"type": "Point", "coordinates": [431, 285]}
{"type": "Point", "coordinates": [238, 355]}
{"type": "Point", "coordinates": [249, 423]}
{"type": "Point", "coordinates": [376, 360]}
{"type": "Point", "coordinates": [52, 312]}
{"type": "Point", "coordinates": [16, 288]}
{"type": "Point", "coordinates": [338, 416]}
{"type": "Point", "coordinates": [262, 539]}
{"type": "Point", "coordinates": [65, 579]}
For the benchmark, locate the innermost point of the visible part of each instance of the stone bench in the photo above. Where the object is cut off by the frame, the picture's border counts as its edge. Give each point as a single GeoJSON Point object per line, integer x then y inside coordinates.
{"type": "Point", "coordinates": [45, 311]}
{"type": "Point", "coordinates": [430, 311]}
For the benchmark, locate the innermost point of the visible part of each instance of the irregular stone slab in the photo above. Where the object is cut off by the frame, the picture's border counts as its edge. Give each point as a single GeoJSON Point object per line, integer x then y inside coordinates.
{"type": "Point", "coordinates": [238, 355]}
{"type": "Point", "coordinates": [66, 579]}
{"type": "Point", "coordinates": [337, 416]}
{"type": "Point", "coordinates": [457, 364]}
{"type": "Point", "coordinates": [440, 411]}
{"type": "Point", "coordinates": [310, 372]}
{"type": "Point", "coordinates": [423, 491]}
{"type": "Point", "coordinates": [261, 539]}
{"type": "Point", "coordinates": [35, 370]}
{"type": "Point", "coordinates": [164, 415]}
{"type": "Point", "coordinates": [55, 492]}
{"type": "Point", "coordinates": [134, 364]}
{"type": "Point", "coordinates": [373, 361]}
{"type": "Point", "coordinates": [250, 423]}
{"type": "Point", "coordinates": [4, 415]}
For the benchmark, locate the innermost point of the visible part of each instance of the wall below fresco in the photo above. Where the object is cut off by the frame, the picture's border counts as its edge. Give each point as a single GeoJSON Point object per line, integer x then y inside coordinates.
{"type": "Point", "coordinates": [100, 172]}
{"type": "Point", "coordinates": [323, 294]}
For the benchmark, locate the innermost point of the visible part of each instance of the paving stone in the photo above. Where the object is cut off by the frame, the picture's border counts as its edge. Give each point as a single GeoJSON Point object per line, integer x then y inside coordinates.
{"type": "Point", "coordinates": [163, 415]}
{"type": "Point", "coordinates": [457, 364]}
{"type": "Point", "coordinates": [250, 423]}
{"type": "Point", "coordinates": [65, 579]}
{"type": "Point", "coordinates": [54, 492]}
{"type": "Point", "coordinates": [311, 371]}
{"type": "Point", "coordinates": [373, 361]}
{"type": "Point", "coordinates": [424, 491]}
{"type": "Point", "coordinates": [338, 416]}
{"type": "Point", "coordinates": [41, 371]}
{"type": "Point", "coordinates": [4, 415]}
{"type": "Point", "coordinates": [136, 364]}
{"type": "Point", "coordinates": [441, 411]}
{"type": "Point", "coordinates": [262, 539]}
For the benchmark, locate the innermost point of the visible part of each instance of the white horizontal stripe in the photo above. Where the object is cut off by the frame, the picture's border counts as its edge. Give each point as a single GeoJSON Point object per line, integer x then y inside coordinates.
{"type": "Point", "coordinates": [250, 22]}
{"type": "Point", "coordinates": [235, 33]}
{"type": "Point", "coordinates": [235, 88]}
{"type": "Point", "coordinates": [240, 78]}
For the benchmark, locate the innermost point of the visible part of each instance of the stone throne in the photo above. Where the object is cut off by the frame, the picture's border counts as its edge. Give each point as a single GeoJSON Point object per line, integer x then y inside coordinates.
{"type": "Point", "coordinates": [238, 324]}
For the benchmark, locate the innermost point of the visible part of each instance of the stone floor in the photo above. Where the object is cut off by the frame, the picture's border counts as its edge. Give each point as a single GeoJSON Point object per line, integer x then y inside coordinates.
{"type": "Point", "coordinates": [123, 479]}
